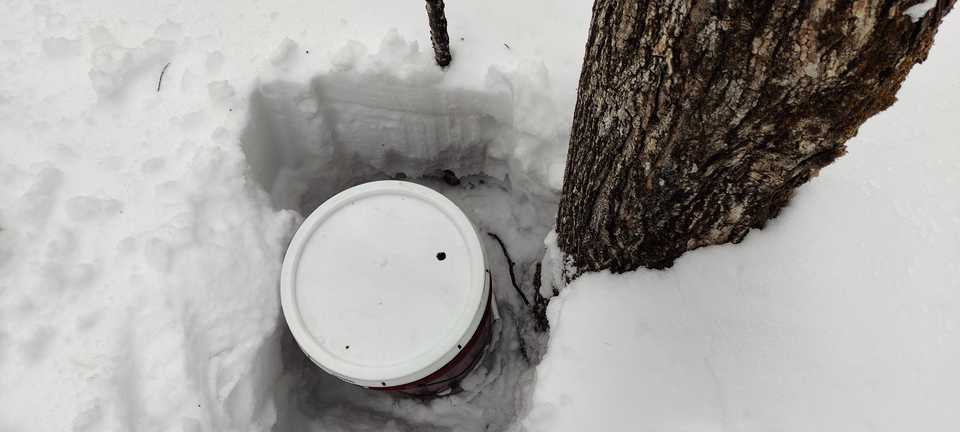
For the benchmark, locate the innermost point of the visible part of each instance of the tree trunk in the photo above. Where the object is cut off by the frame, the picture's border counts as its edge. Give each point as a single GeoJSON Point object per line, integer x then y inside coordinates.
{"type": "Point", "coordinates": [438, 32]}
{"type": "Point", "coordinates": [696, 120]}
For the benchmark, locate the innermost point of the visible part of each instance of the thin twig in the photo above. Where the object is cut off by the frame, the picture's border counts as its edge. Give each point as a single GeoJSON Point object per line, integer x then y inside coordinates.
{"type": "Point", "coordinates": [513, 278]}
{"type": "Point", "coordinates": [162, 71]}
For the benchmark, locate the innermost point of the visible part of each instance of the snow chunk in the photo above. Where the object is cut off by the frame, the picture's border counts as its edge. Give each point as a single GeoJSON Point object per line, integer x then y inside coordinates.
{"type": "Point", "coordinates": [555, 267]}
{"type": "Point", "coordinates": [285, 53]}
{"type": "Point", "coordinates": [919, 10]}
{"type": "Point", "coordinates": [349, 56]}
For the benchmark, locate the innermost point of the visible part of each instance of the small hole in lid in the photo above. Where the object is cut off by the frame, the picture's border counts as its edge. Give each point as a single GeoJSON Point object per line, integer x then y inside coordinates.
{"type": "Point", "coordinates": [459, 346]}
{"type": "Point", "coordinates": [441, 256]}
{"type": "Point", "coordinates": [383, 384]}
{"type": "Point", "coordinates": [347, 347]}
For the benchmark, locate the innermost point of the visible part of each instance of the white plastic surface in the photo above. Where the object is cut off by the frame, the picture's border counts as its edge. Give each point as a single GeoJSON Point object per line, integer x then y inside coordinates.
{"type": "Point", "coordinates": [363, 289]}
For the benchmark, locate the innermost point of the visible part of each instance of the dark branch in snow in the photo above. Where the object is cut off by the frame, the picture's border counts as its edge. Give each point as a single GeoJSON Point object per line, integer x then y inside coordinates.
{"type": "Point", "coordinates": [438, 32]}
{"type": "Point", "coordinates": [513, 277]}
{"type": "Point", "coordinates": [539, 308]}
{"type": "Point", "coordinates": [162, 71]}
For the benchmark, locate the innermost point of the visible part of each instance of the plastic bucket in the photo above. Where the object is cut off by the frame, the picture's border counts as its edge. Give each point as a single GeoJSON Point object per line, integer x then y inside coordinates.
{"type": "Point", "coordinates": [384, 286]}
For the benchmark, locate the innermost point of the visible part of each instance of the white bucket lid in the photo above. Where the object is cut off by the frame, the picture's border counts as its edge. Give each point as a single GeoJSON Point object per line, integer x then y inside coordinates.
{"type": "Point", "coordinates": [364, 289]}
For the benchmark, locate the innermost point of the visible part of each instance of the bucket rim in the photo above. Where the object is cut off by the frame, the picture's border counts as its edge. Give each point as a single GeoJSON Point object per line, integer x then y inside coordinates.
{"type": "Point", "coordinates": [446, 346]}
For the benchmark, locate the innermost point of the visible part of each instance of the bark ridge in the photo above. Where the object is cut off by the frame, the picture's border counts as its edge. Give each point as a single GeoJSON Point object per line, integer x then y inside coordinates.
{"type": "Point", "coordinates": [696, 120]}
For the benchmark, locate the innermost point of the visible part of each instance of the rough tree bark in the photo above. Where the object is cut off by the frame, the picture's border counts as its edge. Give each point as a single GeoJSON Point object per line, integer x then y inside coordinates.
{"type": "Point", "coordinates": [438, 32]}
{"type": "Point", "coordinates": [695, 120]}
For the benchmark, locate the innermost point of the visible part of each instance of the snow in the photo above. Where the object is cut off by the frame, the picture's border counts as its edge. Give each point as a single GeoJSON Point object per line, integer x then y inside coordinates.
{"type": "Point", "coordinates": [141, 231]}
{"type": "Point", "coordinates": [840, 315]}
{"type": "Point", "coordinates": [919, 10]}
{"type": "Point", "coordinates": [557, 268]}
{"type": "Point", "coordinates": [138, 304]}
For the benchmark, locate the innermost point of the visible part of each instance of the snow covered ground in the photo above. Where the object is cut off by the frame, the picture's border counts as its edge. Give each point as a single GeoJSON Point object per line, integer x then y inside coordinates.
{"type": "Point", "coordinates": [143, 221]}
{"type": "Point", "coordinates": [142, 227]}
{"type": "Point", "coordinates": [842, 314]}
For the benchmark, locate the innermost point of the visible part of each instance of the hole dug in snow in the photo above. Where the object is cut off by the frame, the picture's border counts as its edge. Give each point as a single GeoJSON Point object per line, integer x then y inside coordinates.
{"type": "Point", "coordinates": [305, 143]}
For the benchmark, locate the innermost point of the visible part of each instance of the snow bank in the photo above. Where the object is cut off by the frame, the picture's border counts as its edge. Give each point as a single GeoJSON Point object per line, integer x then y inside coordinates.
{"type": "Point", "coordinates": [840, 315]}
{"type": "Point", "coordinates": [138, 287]}
{"type": "Point", "coordinates": [138, 264]}
{"type": "Point", "coordinates": [392, 113]}
{"type": "Point", "coordinates": [139, 241]}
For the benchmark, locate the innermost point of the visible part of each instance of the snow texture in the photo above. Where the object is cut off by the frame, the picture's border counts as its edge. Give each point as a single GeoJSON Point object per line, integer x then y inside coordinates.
{"type": "Point", "coordinates": [141, 231]}
{"type": "Point", "coordinates": [142, 223]}
{"type": "Point", "coordinates": [137, 263]}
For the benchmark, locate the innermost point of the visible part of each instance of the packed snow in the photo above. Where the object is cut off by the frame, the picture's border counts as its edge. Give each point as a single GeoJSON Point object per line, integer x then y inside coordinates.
{"type": "Point", "coordinates": [143, 222]}
{"type": "Point", "coordinates": [919, 10]}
